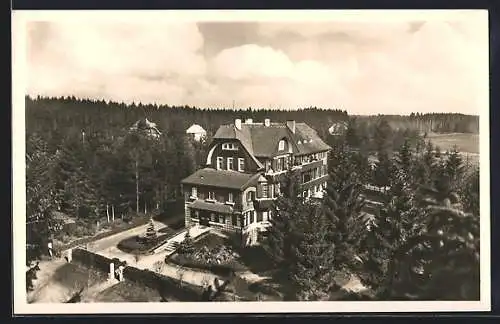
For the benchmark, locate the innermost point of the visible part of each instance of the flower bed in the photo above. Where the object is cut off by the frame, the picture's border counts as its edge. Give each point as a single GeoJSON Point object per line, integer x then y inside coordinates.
{"type": "Point", "coordinates": [211, 253]}
{"type": "Point", "coordinates": [140, 245]}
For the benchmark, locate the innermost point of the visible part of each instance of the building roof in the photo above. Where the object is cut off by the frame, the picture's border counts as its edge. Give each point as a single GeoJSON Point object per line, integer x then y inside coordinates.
{"type": "Point", "coordinates": [195, 129]}
{"type": "Point", "coordinates": [221, 178]}
{"type": "Point", "coordinates": [215, 207]}
{"type": "Point", "coordinates": [262, 141]}
{"type": "Point", "coordinates": [145, 125]}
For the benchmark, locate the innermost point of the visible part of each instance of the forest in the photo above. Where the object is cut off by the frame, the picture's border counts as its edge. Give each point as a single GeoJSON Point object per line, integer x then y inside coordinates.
{"type": "Point", "coordinates": [83, 160]}
{"type": "Point", "coordinates": [422, 244]}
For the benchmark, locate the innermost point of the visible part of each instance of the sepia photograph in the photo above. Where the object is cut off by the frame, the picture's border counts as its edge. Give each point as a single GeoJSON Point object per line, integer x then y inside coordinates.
{"type": "Point", "coordinates": [311, 161]}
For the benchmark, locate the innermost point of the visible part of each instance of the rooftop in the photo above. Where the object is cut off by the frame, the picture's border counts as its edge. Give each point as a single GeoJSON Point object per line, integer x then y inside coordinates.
{"type": "Point", "coordinates": [220, 178]}
{"type": "Point", "coordinates": [261, 140]}
{"type": "Point", "coordinates": [195, 128]}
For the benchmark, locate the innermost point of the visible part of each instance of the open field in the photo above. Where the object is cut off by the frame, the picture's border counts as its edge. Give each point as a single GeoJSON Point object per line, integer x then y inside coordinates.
{"type": "Point", "coordinates": [467, 143]}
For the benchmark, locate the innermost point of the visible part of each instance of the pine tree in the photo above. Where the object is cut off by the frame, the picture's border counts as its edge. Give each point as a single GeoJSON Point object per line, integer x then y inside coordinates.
{"type": "Point", "coordinates": [187, 245]}
{"type": "Point", "coordinates": [383, 170]}
{"type": "Point", "coordinates": [397, 221]}
{"type": "Point", "coordinates": [314, 272]}
{"type": "Point", "coordinates": [284, 234]}
{"type": "Point", "coordinates": [454, 167]}
{"type": "Point", "coordinates": [441, 259]}
{"type": "Point", "coordinates": [403, 164]}
{"type": "Point", "coordinates": [469, 193]}
{"type": "Point", "coordinates": [345, 222]}
{"type": "Point", "coordinates": [151, 234]}
{"type": "Point", "coordinates": [40, 193]}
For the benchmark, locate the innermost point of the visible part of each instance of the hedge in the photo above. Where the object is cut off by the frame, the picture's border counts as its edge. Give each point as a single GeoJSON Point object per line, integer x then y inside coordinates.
{"type": "Point", "coordinates": [186, 292]}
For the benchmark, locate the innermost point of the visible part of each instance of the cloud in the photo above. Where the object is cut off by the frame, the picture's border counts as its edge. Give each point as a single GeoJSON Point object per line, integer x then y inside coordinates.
{"type": "Point", "coordinates": [251, 61]}
{"type": "Point", "coordinates": [110, 60]}
{"type": "Point", "coordinates": [365, 67]}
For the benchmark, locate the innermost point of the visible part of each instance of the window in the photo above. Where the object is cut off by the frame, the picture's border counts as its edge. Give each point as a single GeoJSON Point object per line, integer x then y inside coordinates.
{"type": "Point", "coordinates": [230, 163]}
{"type": "Point", "coordinates": [304, 194]}
{"type": "Point", "coordinates": [195, 214]}
{"type": "Point", "coordinates": [230, 197]}
{"type": "Point", "coordinates": [265, 192]}
{"type": "Point", "coordinates": [213, 217]}
{"type": "Point", "coordinates": [211, 195]}
{"type": "Point", "coordinates": [220, 161]}
{"type": "Point", "coordinates": [222, 219]}
{"type": "Point", "coordinates": [229, 147]}
{"type": "Point", "coordinates": [241, 164]}
{"type": "Point", "coordinates": [194, 192]}
{"type": "Point", "coordinates": [306, 177]}
{"type": "Point", "coordinates": [281, 145]}
{"type": "Point", "coordinates": [250, 196]}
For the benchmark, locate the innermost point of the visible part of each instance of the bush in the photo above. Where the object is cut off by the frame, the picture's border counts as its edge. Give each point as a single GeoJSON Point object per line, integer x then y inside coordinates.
{"type": "Point", "coordinates": [186, 261]}
{"type": "Point", "coordinates": [136, 245]}
{"type": "Point", "coordinates": [140, 244]}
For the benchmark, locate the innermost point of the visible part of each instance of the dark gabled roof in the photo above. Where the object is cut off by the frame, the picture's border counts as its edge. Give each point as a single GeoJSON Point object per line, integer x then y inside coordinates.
{"type": "Point", "coordinates": [221, 178]}
{"type": "Point", "coordinates": [305, 134]}
{"type": "Point", "coordinates": [215, 207]}
{"type": "Point", "coordinates": [261, 141]}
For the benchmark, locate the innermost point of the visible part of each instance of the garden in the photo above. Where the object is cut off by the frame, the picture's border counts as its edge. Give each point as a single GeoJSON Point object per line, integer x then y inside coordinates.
{"type": "Point", "coordinates": [146, 243]}
{"type": "Point", "coordinates": [220, 254]}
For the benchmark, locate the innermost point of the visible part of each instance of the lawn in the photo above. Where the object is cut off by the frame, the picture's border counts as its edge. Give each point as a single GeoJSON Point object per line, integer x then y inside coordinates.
{"type": "Point", "coordinates": [467, 143]}
{"type": "Point", "coordinates": [76, 277]}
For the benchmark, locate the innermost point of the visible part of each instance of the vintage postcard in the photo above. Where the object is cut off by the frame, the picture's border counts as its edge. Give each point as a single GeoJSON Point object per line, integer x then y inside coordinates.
{"type": "Point", "coordinates": [308, 161]}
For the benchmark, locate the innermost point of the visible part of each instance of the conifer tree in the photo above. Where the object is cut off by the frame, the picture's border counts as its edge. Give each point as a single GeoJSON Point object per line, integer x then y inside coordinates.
{"type": "Point", "coordinates": [314, 275]}
{"type": "Point", "coordinates": [345, 222]}
{"type": "Point", "coordinates": [151, 234]}
{"type": "Point", "coordinates": [284, 235]}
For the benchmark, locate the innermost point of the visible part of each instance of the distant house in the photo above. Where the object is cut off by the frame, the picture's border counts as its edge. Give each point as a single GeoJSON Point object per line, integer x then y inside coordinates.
{"type": "Point", "coordinates": [146, 126]}
{"type": "Point", "coordinates": [338, 128]}
{"type": "Point", "coordinates": [245, 165]}
{"type": "Point", "coordinates": [197, 132]}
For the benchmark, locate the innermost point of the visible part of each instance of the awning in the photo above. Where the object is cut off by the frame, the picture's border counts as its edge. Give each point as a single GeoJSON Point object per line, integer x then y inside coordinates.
{"type": "Point", "coordinates": [213, 207]}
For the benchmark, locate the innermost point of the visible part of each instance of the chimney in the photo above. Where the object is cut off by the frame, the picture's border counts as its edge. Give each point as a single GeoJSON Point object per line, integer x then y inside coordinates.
{"type": "Point", "coordinates": [249, 121]}
{"type": "Point", "coordinates": [267, 122]}
{"type": "Point", "coordinates": [291, 124]}
{"type": "Point", "coordinates": [237, 124]}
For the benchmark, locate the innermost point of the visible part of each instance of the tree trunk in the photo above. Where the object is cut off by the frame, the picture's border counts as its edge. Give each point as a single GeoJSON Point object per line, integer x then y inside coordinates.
{"type": "Point", "coordinates": [113, 212]}
{"type": "Point", "coordinates": [107, 212]}
{"type": "Point", "coordinates": [137, 186]}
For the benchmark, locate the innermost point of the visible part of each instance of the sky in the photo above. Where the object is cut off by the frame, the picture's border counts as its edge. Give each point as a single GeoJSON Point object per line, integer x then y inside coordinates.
{"type": "Point", "coordinates": [364, 66]}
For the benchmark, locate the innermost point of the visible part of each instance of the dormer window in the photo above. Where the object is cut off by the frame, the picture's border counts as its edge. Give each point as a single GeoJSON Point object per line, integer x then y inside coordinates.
{"type": "Point", "coordinates": [229, 147]}
{"type": "Point", "coordinates": [281, 145]}
{"type": "Point", "coordinates": [220, 161]}
{"type": "Point", "coordinates": [194, 192]}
